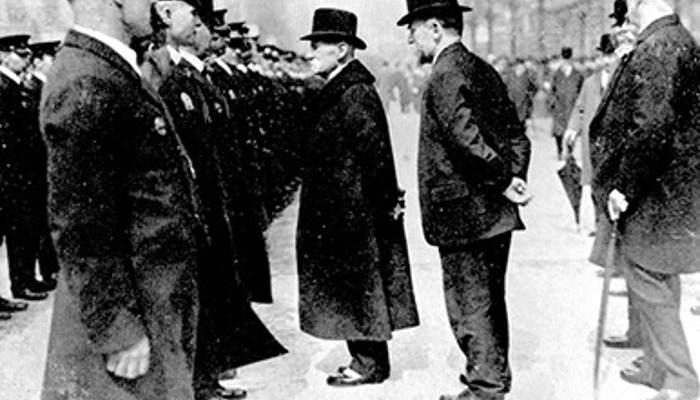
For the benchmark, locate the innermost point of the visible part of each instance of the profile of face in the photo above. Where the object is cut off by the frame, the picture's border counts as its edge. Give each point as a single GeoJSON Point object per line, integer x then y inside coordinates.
{"type": "Point", "coordinates": [203, 38]}
{"type": "Point", "coordinates": [136, 16]}
{"type": "Point", "coordinates": [325, 57]}
{"type": "Point", "coordinates": [182, 21]}
{"type": "Point", "coordinates": [16, 63]}
{"type": "Point", "coordinates": [633, 11]}
{"type": "Point", "coordinates": [422, 37]}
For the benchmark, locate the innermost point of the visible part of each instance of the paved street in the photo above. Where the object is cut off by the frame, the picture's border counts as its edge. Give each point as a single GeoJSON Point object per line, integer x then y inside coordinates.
{"type": "Point", "coordinates": [553, 297]}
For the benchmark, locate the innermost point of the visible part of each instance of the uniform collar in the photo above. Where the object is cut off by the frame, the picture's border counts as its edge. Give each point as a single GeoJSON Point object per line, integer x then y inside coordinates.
{"type": "Point", "coordinates": [223, 65]}
{"type": "Point", "coordinates": [175, 55]}
{"type": "Point", "coordinates": [10, 74]}
{"type": "Point", "coordinates": [40, 76]}
{"type": "Point", "coordinates": [115, 44]}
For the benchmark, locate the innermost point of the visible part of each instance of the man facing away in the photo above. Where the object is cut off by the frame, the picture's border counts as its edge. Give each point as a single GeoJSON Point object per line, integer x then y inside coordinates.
{"type": "Point", "coordinates": [645, 148]}
{"type": "Point", "coordinates": [123, 218]}
{"type": "Point", "coordinates": [472, 165]}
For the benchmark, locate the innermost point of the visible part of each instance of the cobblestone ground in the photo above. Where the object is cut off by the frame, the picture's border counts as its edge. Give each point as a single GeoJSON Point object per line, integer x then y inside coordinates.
{"type": "Point", "coordinates": [553, 297]}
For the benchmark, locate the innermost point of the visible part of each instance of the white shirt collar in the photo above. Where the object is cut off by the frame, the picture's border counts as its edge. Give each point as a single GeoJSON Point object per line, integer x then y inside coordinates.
{"type": "Point", "coordinates": [223, 65]}
{"type": "Point", "coordinates": [336, 71]}
{"type": "Point", "coordinates": [115, 44]}
{"type": "Point", "coordinates": [40, 76]}
{"type": "Point", "coordinates": [11, 74]}
{"type": "Point", "coordinates": [175, 55]}
{"type": "Point", "coordinates": [194, 60]}
{"type": "Point", "coordinates": [441, 50]}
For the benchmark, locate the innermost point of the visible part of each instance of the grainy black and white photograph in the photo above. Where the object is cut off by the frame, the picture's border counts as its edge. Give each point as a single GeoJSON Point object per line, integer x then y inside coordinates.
{"type": "Point", "coordinates": [349, 199]}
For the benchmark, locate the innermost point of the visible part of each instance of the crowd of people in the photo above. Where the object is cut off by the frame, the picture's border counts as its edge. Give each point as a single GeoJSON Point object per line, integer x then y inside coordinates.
{"type": "Point", "coordinates": [145, 155]}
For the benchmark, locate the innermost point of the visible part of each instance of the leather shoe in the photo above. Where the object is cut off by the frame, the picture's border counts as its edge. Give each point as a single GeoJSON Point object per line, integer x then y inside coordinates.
{"type": "Point", "coordinates": [12, 306]}
{"type": "Point", "coordinates": [4, 316]}
{"type": "Point", "coordinates": [232, 393]}
{"type": "Point", "coordinates": [27, 294]}
{"type": "Point", "coordinates": [40, 287]}
{"type": "Point", "coordinates": [346, 377]}
{"type": "Point", "coordinates": [622, 342]}
{"type": "Point", "coordinates": [636, 377]}
{"type": "Point", "coordinates": [668, 394]}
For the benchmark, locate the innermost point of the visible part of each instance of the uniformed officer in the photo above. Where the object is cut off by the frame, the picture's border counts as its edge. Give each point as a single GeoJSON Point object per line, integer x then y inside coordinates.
{"type": "Point", "coordinates": [21, 176]}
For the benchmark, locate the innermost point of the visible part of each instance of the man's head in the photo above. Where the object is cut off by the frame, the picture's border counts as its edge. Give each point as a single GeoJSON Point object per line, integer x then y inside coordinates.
{"type": "Point", "coordinates": [122, 19]}
{"type": "Point", "coordinates": [181, 20]}
{"type": "Point", "coordinates": [333, 39]}
{"type": "Point", "coordinates": [640, 12]}
{"type": "Point", "coordinates": [432, 23]}
{"type": "Point", "coordinates": [14, 52]}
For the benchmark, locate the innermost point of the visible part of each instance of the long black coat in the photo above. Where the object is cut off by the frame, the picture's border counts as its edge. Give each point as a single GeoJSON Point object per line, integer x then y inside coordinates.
{"type": "Point", "coordinates": [565, 90]}
{"type": "Point", "coordinates": [645, 142]}
{"type": "Point", "coordinates": [471, 146]}
{"type": "Point", "coordinates": [122, 212]}
{"type": "Point", "coordinates": [354, 275]}
{"type": "Point", "coordinates": [230, 333]}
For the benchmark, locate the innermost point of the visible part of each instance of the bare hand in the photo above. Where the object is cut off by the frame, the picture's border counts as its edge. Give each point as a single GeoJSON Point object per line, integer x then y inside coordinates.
{"type": "Point", "coordinates": [570, 137]}
{"type": "Point", "coordinates": [517, 192]}
{"type": "Point", "coordinates": [132, 362]}
{"type": "Point", "coordinates": [617, 204]}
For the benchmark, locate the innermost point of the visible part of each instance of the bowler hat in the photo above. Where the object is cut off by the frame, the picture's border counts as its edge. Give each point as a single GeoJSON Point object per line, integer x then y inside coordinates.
{"type": "Point", "coordinates": [16, 43]}
{"type": "Point", "coordinates": [427, 8]}
{"type": "Point", "coordinates": [217, 21]}
{"type": "Point", "coordinates": [334, 24]}
{"type": "Point", "coordinates": [619, 13]}
{"type": "Point", "coordinates": [606, 45]}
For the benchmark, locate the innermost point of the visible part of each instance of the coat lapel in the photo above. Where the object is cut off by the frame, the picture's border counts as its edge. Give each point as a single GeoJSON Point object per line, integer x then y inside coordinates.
{"type": "Point", "coordinates": [352, 74]}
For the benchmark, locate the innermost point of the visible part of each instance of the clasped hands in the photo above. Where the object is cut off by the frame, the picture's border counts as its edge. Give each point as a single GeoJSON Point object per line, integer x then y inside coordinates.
{"type": "Point", "coordinates": [518, 192]}
{"type": "Point", "coordinates": [132, 362]}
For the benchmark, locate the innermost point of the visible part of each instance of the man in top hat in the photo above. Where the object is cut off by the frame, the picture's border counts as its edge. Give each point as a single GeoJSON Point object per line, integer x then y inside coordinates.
{"type": "Point", "coordinates": [21, 175]}
{"type": "Point", "coordinates": [354, 276]}
{"type": "Point", "coordinates": [229, 333]}
{"type": "Point", "coordinates": [472, 166]}
{"type": "Point", "coordinates": [645, 149]}
{"type": "Point", "coordinates": [124, 219]}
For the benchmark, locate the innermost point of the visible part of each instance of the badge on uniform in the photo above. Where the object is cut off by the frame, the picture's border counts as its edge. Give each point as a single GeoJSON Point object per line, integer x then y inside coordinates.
{"type": "Point", "coordinates": [187, 101]}
{"type": "Point", "coordinates": [219, 108]}
{"type": "Point", "coordinates": [231, 94]}
{"type": "Point", "coordinates": [160, 126]}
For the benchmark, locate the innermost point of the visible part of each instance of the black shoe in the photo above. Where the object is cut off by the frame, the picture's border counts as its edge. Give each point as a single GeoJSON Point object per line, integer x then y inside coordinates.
{"type": "Point", "coordinates": [12, 306]}
{"type": "Point", "coordinates": [622, 342]}
{"type": "Point", "coordinates": [41, 287]}
{"type": "Point", "coordinates": [463, 379]}
{"type": "Point", "coordinates": [346, 377]}
{"type": "Point", "coordinates": [231, 394]}
{"type": "Point", "coordinates": [50, 282]}
{"type": "Point", "coordinates": [27, 294]}
{"type": "Point", "coordinates": [4, 315]}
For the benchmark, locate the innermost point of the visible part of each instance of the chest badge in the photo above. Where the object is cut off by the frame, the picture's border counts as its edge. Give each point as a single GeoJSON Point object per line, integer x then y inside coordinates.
{"type": "Point", "coordinates": [219, 109]}
{"type": "Point", "coordinates": [160, 126]}
{"type": "Point", "coordinates": [231, 94]}
{"type": "Point", "coordinates": [187, 101]}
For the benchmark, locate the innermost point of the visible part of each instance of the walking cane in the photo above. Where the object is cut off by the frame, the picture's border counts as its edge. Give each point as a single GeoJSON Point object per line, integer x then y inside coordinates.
{"type": "Point", "coordinates": [609, 268]}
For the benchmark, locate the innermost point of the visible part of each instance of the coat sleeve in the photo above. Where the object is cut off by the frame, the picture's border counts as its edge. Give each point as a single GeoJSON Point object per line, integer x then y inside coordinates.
{"type": "Point", "coordinates": [87, 208]}
{"type": "Point", "coordinates": [454, 104]}
{"type": "Point", "coordinates": [653, 119]}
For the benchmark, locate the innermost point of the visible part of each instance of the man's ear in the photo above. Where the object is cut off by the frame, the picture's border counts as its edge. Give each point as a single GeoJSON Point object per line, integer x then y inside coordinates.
{"type": "Point", "coordinates": [343, 49]}
{"type": "Point", "coordinates": [164, 11]}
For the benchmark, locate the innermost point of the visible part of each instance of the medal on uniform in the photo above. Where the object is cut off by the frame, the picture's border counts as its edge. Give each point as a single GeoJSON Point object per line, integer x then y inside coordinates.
{"type": "Point", "coordinates": [231, 94]}
{"type": "Point", "coordinates": [160, 126]}
{"type": "Point", "coordinates": [219, 109]}
{"type": "Point", "coordinates": [187, 101]}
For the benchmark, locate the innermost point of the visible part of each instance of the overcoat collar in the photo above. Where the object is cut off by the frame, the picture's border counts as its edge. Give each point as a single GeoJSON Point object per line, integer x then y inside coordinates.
{"type": "Point", "coordinates": [657, 25]}
{"type": "Point", "coordinates": [448, 51]}
{"type": "Point", "coordinates": [352, 74]}
{"type": "Point", "coordinates": [87, 43]}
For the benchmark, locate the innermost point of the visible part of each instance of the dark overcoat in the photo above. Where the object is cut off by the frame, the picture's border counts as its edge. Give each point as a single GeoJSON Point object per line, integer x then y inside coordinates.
{"type": "Point", "coordinates": [354, 275]}
{"type": "Point", "coordinates": [230, 333]}
{"type": "Point", "coordinates": [521, 89]}
{"type": "Point", "coordinates": [471, 146]}
{"type": "Point", "coordinates": [244, 206]}
{"type": "Point", "coordinates": [645, 142]}
{"type": "Point", "coordinates": [122, 212]}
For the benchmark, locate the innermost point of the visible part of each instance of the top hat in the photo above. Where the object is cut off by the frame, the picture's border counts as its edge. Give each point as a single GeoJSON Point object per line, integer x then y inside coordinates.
{"type": "Point", "coordinates": [47, 47]}
{"type": "Point", "coordinates": [606, 45]}
{"type": "Point", "coordinates": [619, 12]}
{"type": "Point", "coordinates": [335, 24]}
{"type": "Point", "coordinates": [15, 43]}
{"type": "Point", "coordinates": [427, 8]}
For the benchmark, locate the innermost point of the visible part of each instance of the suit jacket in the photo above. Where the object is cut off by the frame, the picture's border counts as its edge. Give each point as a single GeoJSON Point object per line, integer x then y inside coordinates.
{"type": "Point", "coordinates": [354, 275]}
{"type": "Point", "coordinates": [123, 216]}
{"type": "Point", "coordinates": [581, 117]}
{"type": "Point", "coordinates": [646, 144]}
{"type": "Point", "coordinates": [471, 146]}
